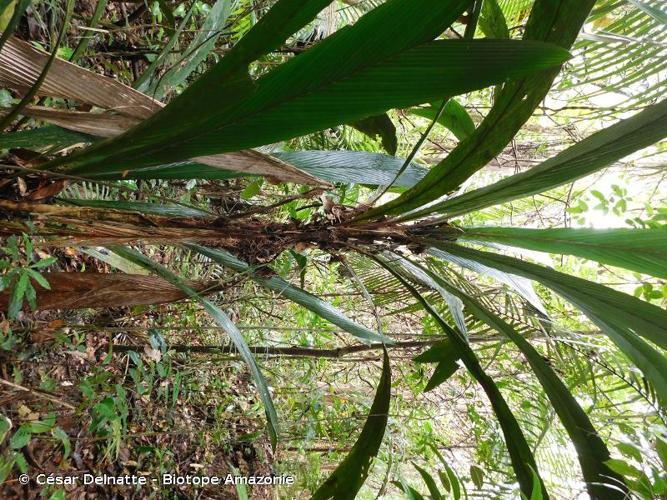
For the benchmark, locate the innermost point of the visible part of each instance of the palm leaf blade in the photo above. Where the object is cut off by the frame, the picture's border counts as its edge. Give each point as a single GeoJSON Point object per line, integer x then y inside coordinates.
{"type": "Point", "coordinates": [591, 450]}
{"type": "Point", "coordinates": [558, 24]}
{"type": "Point", "coordinates": [642, 250]}
{"type": "Point", "coordinates": [293, 293]}
{"type": "Point", "coordinates": [591, 154]}
{"type": "Point", "coordinates": [622, 317]}
{"type": "Point", "coordinates": [521, 456]}
{"type": "Point", "coordinates": [351, 473]}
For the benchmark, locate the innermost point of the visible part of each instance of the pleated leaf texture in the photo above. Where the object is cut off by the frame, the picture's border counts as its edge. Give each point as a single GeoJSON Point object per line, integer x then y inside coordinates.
{"type": "Point", "coordinates": [388, 59]}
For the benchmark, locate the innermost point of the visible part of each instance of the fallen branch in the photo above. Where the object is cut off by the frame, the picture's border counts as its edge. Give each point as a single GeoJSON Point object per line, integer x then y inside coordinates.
{"type": "Point", "coordinates": [338, 352]}
{"type": "Point", "coordinates": [39, 394]}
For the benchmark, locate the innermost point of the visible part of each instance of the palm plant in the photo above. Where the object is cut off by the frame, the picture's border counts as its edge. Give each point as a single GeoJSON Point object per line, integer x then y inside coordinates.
{"type": "Point", "coordinates": [393, 57]}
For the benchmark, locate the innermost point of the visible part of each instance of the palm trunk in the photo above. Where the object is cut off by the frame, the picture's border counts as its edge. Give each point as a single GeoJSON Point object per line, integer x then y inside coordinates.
{"type": "Point", "coordinates": [254, 240]}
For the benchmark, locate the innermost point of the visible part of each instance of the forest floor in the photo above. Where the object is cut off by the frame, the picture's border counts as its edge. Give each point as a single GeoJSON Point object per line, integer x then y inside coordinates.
{"type": "Point", "coordinates": [88, 409]}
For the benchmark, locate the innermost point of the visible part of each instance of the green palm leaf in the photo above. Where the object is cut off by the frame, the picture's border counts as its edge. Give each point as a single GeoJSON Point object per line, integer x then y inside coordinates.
{"type": "Point", "coordinates": [642, 250]}
{"type": "Point", "coordinates": [656, 13]}
{"type": "Point", "coordinates": [454, 117]}
{"type": "Point", "coordinates": [351, 473]}
{"type": "Point", "coordinates": [591, 450]}
{"type": "Point", "coordinates": [449, 67]}
{"type": "Point", "coordinates": [200, 46]}
{"type": "Point", "coordinates": [591, 154]}
{"type": "Point", "coordinates": [80, 49]}
{"type": "Point", "coordinates": [379, 63]}
{"type": "Point", "coordinates": [168, 209]}
{"type": "Point", "coordinates": [492, 21]}
{"type": "Point", "coordinates": [518, 284]}
{"type": "Point", "coordinates": [623, 45]}
{"type": "Point", "coordinates": [43, 138]}
{"type": "Point", "coordinates": [555, 22]}
{"type": "Point", "coordinates": [293, 293]}
{"type": "Point", "coordinates": [522, 458]}
{"type": "Point", "coordinates": [430, 483]}
{"type": "Point", "coordinates": [360, 167]}
{"type": "Point", "coordinates": [622, 317]}
{"type": "Point", "coordinates": [446, 356]}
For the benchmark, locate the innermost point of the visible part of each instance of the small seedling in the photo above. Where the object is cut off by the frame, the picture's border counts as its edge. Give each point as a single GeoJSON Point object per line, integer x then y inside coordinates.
{"type": "Point", "coordinates": [19, 270]}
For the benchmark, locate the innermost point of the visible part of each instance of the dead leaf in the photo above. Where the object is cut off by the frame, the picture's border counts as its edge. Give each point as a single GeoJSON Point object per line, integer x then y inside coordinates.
{"type": "Point", "coordinates": [48, 190]}
{"type": "Point", "coordinates": [257, 163]}
{"type": "Point", "coordinates": [26, 413]}
{"type": "Point", "coordinates": [153, 354]}
{"type": "Point", "coordinates": [21, 65]}
{"type": "Point", "coordinates": [23, 188]}
{"type": "Point", "coordinates": [96, 124]}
